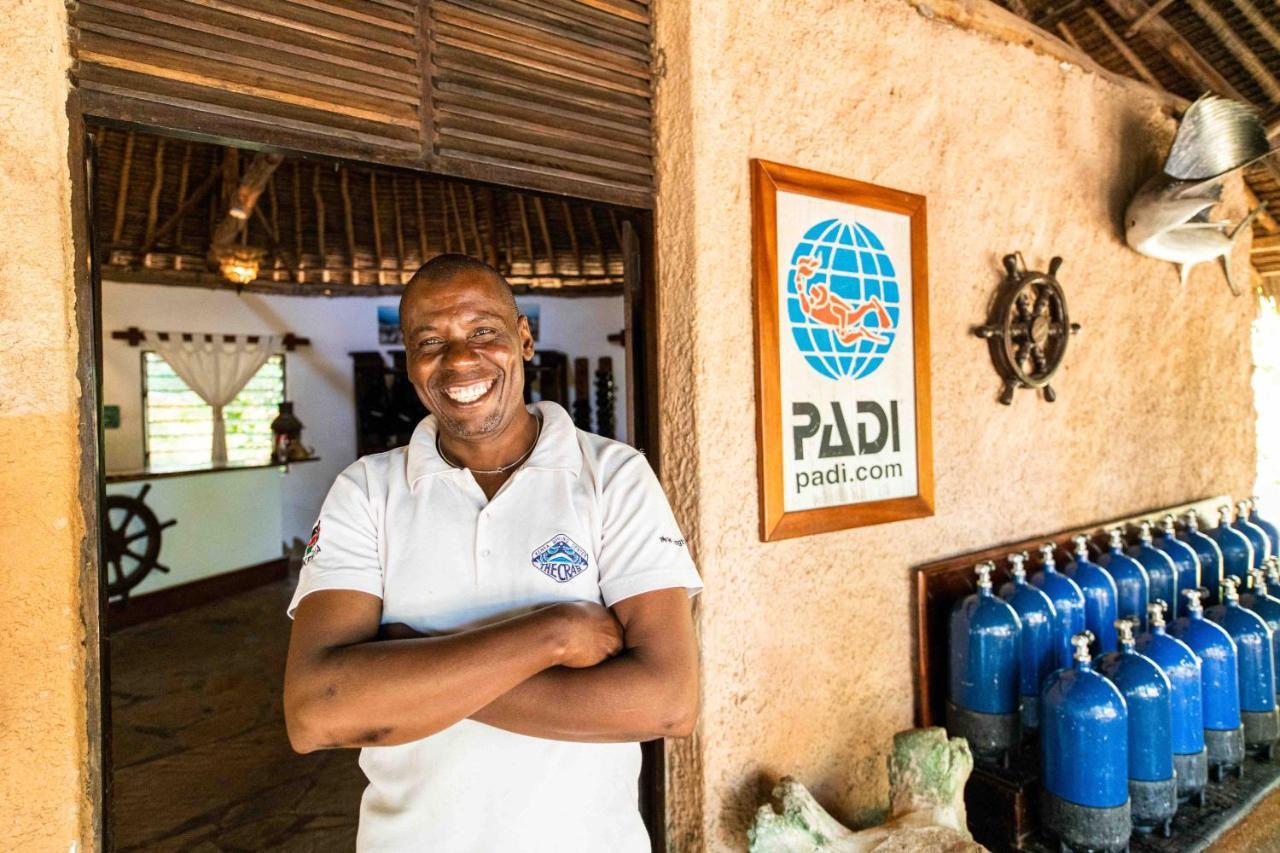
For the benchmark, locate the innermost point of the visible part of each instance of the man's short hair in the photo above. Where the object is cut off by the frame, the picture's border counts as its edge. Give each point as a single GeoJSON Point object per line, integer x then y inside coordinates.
{"type": "Point", "coordinates": [446, 266]}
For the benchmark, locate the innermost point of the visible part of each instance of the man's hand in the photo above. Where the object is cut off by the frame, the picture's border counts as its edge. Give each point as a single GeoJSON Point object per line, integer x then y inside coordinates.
{"type": "Point", "coordinates": [592, 634]}
{"type": "Point", "coordinates": [649, 690]}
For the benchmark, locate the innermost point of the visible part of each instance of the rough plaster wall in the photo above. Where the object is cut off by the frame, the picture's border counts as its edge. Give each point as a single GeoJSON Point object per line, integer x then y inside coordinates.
{"type": "Point", "coordinates": [807, 643]}
{"type": "Point", "coordinates": [43, 743]}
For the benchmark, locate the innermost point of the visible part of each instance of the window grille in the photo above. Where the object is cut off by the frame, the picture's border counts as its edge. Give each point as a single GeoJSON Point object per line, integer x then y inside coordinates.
{"type": "Point", "coordinates": [179, 425]}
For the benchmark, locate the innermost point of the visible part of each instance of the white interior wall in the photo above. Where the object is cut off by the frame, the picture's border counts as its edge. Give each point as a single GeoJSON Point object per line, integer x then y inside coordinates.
{"type": "Point", "coordinates": [318, 377]}
{"type": "Point", "coordinates": [238, 526]}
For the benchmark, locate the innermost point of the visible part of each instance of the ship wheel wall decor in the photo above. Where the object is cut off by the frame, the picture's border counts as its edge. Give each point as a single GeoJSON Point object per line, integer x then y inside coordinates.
{"type": "Point", "coordinates": [1028, 328]}
{"type": "Point", "coordinates": [130, 541]}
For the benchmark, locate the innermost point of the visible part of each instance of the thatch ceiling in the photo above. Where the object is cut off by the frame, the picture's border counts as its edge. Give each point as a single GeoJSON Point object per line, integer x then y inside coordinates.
{"type": "Point", "coordinates": [329, 228]}
{"type": "Point", "coordinates": [1188, 47]}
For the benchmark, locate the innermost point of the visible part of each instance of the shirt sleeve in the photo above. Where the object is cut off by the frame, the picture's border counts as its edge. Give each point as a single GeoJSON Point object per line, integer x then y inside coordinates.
{"type": "Point", "coordinates": [342, 552]}
{"type": "Point", "coordinates": [641, 546]}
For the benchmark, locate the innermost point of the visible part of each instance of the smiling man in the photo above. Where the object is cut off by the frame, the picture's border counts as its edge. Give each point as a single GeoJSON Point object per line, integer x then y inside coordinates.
{"type": "Point", "coordinates": [495, 613]}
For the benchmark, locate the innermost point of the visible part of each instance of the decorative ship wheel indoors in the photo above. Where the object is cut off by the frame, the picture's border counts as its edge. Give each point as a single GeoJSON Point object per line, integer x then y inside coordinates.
{"type": "Point", "coordinates": [1028, 328]}
{"type": "Point", "coordinates": [131, 541]}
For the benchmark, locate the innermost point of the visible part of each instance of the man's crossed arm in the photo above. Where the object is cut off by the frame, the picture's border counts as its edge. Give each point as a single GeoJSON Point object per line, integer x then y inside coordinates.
{"type": "Point", "coordinates": [567, 671]}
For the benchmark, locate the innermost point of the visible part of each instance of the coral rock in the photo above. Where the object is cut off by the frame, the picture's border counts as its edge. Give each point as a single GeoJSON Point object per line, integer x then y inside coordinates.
{"type": "Point", "coordinates": [927, 773]}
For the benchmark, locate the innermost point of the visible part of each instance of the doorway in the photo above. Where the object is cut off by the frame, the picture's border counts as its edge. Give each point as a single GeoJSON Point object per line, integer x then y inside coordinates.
{"type": "Point", "coordinates": [201, 553]}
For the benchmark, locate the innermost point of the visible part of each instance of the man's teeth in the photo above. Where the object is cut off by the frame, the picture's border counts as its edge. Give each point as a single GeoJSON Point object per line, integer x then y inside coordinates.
{"type": "Point", "coordinates": [468, 393]}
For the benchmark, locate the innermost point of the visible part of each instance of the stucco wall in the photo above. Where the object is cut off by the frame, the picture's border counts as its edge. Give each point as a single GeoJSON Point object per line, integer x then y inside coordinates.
{"type": "Point", "coordinates": [807, 643]}
{"type": "Point", "coordinates": [44, 775]}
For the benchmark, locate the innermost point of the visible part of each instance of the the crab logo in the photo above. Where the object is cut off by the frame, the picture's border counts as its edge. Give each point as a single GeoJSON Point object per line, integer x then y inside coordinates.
{"type": "Point", "coordinates": [560, 559]}
{"type": "Point", "coordinates": [842, 299]}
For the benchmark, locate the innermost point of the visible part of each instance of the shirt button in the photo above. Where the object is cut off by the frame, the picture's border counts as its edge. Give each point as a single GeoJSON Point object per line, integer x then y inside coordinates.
{"type": "Point", "coordinates": [484, 553]}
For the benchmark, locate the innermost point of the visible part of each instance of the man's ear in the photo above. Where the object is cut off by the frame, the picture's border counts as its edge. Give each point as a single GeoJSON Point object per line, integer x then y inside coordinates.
{"type": "Point", "coordinates": [526, 337]}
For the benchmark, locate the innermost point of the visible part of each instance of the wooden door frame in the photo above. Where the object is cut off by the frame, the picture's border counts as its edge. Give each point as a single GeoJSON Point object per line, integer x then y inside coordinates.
{"type": "Point", "coordinates": [642, 381]}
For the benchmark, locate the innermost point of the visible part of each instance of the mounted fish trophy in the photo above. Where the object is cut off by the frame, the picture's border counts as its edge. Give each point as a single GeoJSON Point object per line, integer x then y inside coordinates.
{"type": "Point", "coordinates": [1169, 217]}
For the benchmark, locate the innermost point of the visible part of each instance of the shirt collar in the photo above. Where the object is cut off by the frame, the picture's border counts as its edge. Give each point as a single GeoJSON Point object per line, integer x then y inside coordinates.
{"type": "Point", "coordinates": [557, 447]}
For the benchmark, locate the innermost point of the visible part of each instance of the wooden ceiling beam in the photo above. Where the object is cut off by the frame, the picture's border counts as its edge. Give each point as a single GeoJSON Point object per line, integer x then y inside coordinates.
{"type": "Point", "coordinates": [398, 218]}
{"type": "Point", "coordinates": [1067, 36]}
{"type": "Point", "coordinates": [300, 273]}
{"type": "Point", "coordinates": [376, 214]}
{"type": "Point", "coordinates": [243, 196]}
{"type": "Point", "coordinates": [122, 190]}
{"type": "Point", "coordinates": [1237, 48]}
{"type": "Point", "coordinates": [344, 187]}
{"type": "Point", "coordinates": [184, 180]}
{"type": "Point", "coordinates": [1265, 220]}
{"type": "Point", "coordinates": [1095, 17]}
{"type": "Point", "coordinates": [175, 218]}
{"type": "Point", "coordinates": [594, 230]}
{"type": "Point", "coordinates": [528, 235]}
{"type": "Point", "coordinates": [1164, 38]}
{"type": "Point", "coordinates": [573, 235]}
{"type": "Point", "coordinates": [157, 184]}
{"type": "Point", "coordinates": [318, 198]}
{"type": "Point", "coordinates": [541, 211]}
{"type": "Point", "coordinates": [1141, 21]}
{"type": "Point", "coordinates": [1259, 22]}
{"type": "Point", "coordinates": [424, 244]}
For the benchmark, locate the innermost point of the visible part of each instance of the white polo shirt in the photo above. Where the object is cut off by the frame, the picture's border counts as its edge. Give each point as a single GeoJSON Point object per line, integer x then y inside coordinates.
{"type": "Point", "coordinates": [584, 519]}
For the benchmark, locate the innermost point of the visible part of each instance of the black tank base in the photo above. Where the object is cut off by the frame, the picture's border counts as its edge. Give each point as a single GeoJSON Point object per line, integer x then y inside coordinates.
{"type": "Point", "coordinates": [1192, 772]}
{"type": "Point", "coordinates": [1080, 828]}
{"type": "Point", "coordinates": [1226, 752]}
{"type": "Point", "coordinates": [1261, 728]}
{"type": "Point", "coordinates": [990, 736]}
{"type": "Point", "coordinates": [1152, 805]}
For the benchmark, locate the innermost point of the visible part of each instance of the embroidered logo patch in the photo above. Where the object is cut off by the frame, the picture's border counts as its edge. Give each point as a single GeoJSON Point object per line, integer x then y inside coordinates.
{"type": "Point", "coordinates": [313, 545]}
{"type": "Point", "coordinates": [560, 559]}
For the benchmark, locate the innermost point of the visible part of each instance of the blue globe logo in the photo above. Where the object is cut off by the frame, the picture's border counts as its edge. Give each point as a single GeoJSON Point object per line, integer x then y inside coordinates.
{"type": "Point", "coordinates": [842, 299]}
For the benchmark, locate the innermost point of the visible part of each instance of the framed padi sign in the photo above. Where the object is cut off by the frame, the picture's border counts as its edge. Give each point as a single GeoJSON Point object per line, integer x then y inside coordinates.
{"type": "Point", "coordinates": [842, 352]}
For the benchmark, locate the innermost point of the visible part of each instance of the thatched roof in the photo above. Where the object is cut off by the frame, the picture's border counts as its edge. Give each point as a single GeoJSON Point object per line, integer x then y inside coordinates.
{"type": "Point", "coordinates": [1187, 48]}
{"type": "Point", "coordinates": [328, 227]}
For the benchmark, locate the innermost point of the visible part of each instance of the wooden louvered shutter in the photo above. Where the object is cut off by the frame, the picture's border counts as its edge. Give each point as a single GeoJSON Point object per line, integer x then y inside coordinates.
{"type": "Point", "coordinates": [546, 94]}
{"type": "Point", "coordinates": [552, 95]}
{"type": "Point", "coordinates": [338, 77]}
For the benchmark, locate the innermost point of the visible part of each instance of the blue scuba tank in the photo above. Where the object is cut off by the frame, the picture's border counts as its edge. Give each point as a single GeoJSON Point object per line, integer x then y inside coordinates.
{"type": "Point", "coordinates": [1255, 662]}
{"type": "Point", "coordinates": [1267, 527]}
{"type": "Point", "coordinates": [1161, 570]}
{"type": "Point", "coordinates": [1237, 553]}
{"type": "Point", "coordinates": [1038, 655]}
{"type": "Point", "coordinates": [1268, 607]}
{"type": "Point", "coordinates": [1153, 788]}
{"type": "Point", "coordinates": [1099, 595]}
{"type": "Point", "coordinates": [1207, 551]}
{"type": "Point", "coordinates": [1220, 686]}
{"type": "Point", "coordinates": [1068, 604]}
{"type": "Point", "coordinates": [1256, 535]}
{"type": "Point", "coordinates": [983, 702]}
{"type": "Point", "coordinates": [1084, 756]}
{"type": "Point", "coordinates": [1180, 664]}
{"type": "Point", "coordinates": [1184, 557]}
{"type": "Point", "coordinates": [1133, 586]}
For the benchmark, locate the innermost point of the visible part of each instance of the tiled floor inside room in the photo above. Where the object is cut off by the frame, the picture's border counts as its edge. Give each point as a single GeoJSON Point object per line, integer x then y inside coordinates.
{"type": "Point", "coordinates": [201, 758]}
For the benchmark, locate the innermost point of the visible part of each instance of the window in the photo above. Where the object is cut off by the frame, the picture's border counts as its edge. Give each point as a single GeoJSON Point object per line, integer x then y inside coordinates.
{"type": "Point", "coordinates": [179, 425]}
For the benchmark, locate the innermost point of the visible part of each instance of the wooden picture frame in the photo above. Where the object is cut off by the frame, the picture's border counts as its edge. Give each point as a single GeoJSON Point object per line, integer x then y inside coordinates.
{"type": "Point", "coordinates": [830, 328]}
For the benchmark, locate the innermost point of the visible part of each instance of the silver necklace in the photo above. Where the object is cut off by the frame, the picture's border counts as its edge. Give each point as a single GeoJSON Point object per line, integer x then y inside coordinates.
{"type": "Point", "coordinates": [504, 468]}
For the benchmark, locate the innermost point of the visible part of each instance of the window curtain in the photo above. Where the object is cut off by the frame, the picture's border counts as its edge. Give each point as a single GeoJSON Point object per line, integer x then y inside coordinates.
{"type": "Point", "coordinates": [216, 369]}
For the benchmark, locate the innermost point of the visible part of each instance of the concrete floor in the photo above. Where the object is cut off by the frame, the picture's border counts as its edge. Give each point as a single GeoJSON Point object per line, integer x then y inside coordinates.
{"type": "Point", "coordinates": [200, 756]}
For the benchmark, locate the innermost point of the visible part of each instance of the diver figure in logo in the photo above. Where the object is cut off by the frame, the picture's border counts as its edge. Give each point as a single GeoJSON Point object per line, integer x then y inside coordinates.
{"type": "Point", "coordinates": [819, 303]}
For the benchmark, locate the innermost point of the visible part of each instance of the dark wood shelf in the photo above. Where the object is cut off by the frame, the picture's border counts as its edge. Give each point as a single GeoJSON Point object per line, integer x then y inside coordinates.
{"type": "Point", "coordinates": [165, 473]}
